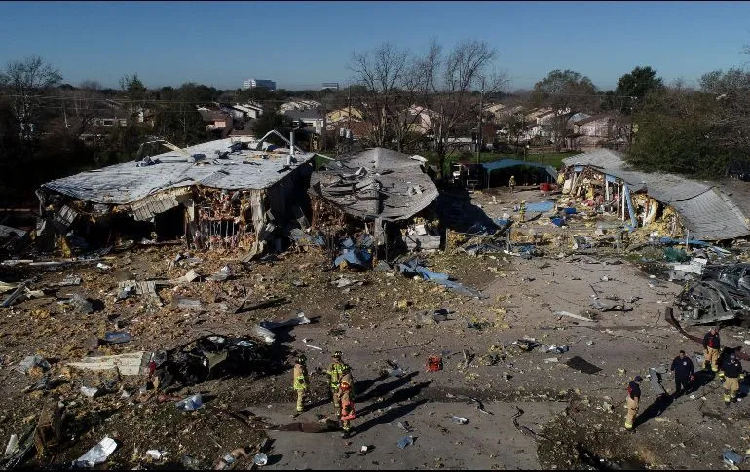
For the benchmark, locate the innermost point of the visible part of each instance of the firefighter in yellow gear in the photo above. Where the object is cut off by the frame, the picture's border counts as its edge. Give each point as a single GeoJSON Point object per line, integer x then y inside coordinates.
{"type": "Point", "coordinates": [733, 372]}
{"type": "Point", "coordinates": [335, 373]}
{"type": "Point", "coordinates": [712, 349]}
{"type": "Point", "coordinates": [301, 382]}
{"type": "Point", "coordinates": [512, 183]}
{"type": "Point", "coordinates": [522, 210]}
{"type": "Point", "coordinates": [346, 397]}
{"type": "Point", "coordinates": [632, 401]}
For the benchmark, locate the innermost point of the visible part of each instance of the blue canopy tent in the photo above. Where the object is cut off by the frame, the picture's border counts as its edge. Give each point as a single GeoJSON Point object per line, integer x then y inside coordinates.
{"type": "Point", "coordinates": [490, 167]}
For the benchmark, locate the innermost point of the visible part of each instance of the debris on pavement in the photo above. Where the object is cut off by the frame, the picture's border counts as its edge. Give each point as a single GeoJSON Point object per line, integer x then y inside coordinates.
{"type": "Point", "coordinates": [459, 420]}
{"type": "Point", "coordinates": [405, 441]}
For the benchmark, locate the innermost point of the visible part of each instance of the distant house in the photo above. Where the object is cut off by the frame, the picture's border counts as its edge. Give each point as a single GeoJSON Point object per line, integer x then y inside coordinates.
{"type": "Point", "coordinates": [343, 114]}
{"type": "Point", "coordinates": [313, 118]}
{"type": "Point", "coordinates": [298, 105]}
{"type": "Point", "coordinates": [251, 111]}
{"type": "Point", "coordinates": [536, 113]}
{"type": "Point", "coordinates": [217, 122]}
{"type": "Point", "coordinates": [494, 108]}
{"type": "Point", "coordinates": [574, 118]}
{"type": "Point", "coordinates": [601, 129]}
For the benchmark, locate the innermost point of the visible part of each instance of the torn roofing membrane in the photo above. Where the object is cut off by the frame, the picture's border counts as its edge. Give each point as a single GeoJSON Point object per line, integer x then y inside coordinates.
{"type": "Point", "coordinates": [125, 183]}
{"type": "Point", "coordinates": [375, 183]}
{"type": "Point", "coordinates": [705, 210]}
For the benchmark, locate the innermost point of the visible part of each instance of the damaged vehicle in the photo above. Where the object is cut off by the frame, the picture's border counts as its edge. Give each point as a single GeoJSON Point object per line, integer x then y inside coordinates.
{"type": "Point", "coordinates": [722, 293]}
{"type": "Point", "coordinates": [209, 357]}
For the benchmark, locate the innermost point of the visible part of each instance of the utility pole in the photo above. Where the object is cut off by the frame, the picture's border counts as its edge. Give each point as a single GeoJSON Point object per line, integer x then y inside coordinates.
{"type": "Point", "coordinates": [479, 128]}
{"type": "Point", "coordinates": [349, 135]}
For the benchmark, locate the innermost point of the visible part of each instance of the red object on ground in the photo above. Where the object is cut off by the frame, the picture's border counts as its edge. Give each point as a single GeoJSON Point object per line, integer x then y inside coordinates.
{"type": "Point", "coordinates": [544, 187]}
{"type": "Point", "coordinates": [434, 363]}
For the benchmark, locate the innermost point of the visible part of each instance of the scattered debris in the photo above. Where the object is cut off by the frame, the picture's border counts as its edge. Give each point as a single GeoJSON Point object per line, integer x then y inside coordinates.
{"type": "Point", "coordinates": [97, 454]}
{"type": "Point", "coordinates": [405, 441]}
{"type": "Point", "coordinates": [572, 315]}
{"type": "Point", "coordinates": [459, 420]}
{"type": "Point", "coordinates": [30, 362]}
{"type": "Point", "coordinates": [132, 363]}
{"type": "Point", "coordinates": [191, 403]}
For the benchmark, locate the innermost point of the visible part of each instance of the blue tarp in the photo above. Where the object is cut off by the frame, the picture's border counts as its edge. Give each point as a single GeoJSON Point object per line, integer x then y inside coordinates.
{"type": "Point", "coordinates": [505, 163]}
{"type": "Point", "coordinates": [358, 257]}
{"type": "Point", "coordinates": [414, 266]}
{"type": "Point", "coordinates": [540, 207]}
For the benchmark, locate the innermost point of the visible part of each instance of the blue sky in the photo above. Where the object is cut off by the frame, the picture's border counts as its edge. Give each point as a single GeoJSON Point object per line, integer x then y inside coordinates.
{"type": "Point", "coordinates": [302, 44]}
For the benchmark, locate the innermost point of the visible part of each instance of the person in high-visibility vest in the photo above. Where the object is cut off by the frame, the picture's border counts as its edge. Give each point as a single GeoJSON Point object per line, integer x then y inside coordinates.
{"type": "Point", "coordinates": [300, 382]}
{"type": "Point", "coordinates": [335, 372]}
{"type": "Point", "coordinates": [346, 396]}
{"type": "Point", "coordinates": [522, 211]}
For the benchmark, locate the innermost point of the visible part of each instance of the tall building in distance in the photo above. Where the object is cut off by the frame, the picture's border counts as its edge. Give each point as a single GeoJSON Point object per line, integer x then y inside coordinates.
{"type": "Point", "coordinates": [258, 83]}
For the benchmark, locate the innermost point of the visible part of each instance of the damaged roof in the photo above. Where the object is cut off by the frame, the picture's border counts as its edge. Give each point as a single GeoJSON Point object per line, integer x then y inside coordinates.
{"type": "Point", "coordinates": [705, 209]}
{"type": "Point", "coordinates": [125, 183]}
{"type": "Point", "coordinates": [376, 183]}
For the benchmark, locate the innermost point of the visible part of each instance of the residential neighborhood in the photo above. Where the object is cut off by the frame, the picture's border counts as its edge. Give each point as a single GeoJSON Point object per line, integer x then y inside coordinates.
{"type": "Point", "coordinates": [415, 243]}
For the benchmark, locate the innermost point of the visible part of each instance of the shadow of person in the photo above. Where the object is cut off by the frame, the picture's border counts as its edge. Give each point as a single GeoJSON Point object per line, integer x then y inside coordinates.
{"type": "Point", "coordinates": [385, 388]}
{"type": "Point", "coordinates": [397, 396]}
{"type": "Point", "coordinates": [361, 386]}
{"type": "Point", "coordinates": [661, 403]}
{"type": "Point", "coordinates": [702, 377]}
{"type": "Point", "coordinates": [390, 416]}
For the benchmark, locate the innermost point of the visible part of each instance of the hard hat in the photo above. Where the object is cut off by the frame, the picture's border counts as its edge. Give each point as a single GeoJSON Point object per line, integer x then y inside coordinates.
{"type": "Point", "coordinates": [638, 378]}
{"type": "Point", "coordinates": [336, 355]}
{"type": "Point", "coordinates": [301, 359]}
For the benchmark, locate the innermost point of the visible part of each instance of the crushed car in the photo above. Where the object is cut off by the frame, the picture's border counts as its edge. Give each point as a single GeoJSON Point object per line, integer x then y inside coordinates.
{"type": "Point", "coordinates": [722, 293]}
{"type": "Point", "coordinates": [209, 357]}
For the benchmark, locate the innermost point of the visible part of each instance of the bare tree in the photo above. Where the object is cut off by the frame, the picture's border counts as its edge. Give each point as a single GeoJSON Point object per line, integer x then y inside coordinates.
{"type": "Point", "coordinates": [382, 72]}
{"type": "Point", "coordinates": [27, 79]}
{"type": "Point", "coordinates": [452, 99]}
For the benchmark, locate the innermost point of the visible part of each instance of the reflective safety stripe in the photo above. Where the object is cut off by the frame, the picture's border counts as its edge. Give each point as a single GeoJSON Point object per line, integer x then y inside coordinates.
{"type": "Point", "coordinates": [300, 383]}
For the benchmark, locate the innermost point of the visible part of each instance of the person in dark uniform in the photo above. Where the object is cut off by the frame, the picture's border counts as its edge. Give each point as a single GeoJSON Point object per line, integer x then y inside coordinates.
{"type": "Point", "coordinates": [684, 371]}
{"type": "Point", "coordinates": [733, 374]}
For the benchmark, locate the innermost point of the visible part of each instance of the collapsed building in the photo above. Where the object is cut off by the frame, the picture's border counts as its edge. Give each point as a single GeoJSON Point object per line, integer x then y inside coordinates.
{"type": "Point", "coordinates": [379, 192]}
{"type": "Point", "coordinates": [218, 194]}
{"type": "Point", "coordinates": [670, 204]}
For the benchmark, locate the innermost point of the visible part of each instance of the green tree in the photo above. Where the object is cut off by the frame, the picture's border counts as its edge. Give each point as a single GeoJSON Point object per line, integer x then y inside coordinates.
{"type": "Point", "coordinates": [634, 87]}
{"type": "Point", "coordinates": [676, 133]}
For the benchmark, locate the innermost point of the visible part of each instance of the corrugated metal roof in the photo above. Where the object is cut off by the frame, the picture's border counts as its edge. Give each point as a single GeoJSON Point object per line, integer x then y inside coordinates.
{"type": "Point", "coordinates": [126, 183]}
{"type": "Point", "coordinates": [375, 183]}
{"type": "Point", "coordinates": [706, 210]}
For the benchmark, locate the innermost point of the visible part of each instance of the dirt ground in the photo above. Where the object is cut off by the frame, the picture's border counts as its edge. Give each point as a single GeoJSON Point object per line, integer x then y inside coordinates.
{"type": "Point", "coordinates": [537, 412]}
